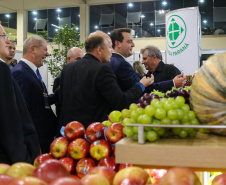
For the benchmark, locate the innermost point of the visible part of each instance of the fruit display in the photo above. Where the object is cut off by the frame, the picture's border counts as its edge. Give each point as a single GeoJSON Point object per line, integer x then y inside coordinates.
{"type": "Point", "coordinates": [154, 109]}
{"type": "Point", "coordinates": [208, 92]}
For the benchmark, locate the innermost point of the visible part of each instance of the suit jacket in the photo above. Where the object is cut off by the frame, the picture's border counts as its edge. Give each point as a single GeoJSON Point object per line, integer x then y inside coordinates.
{"type": "Point", "coordinates": [89, 92]}
{"type": "Point", "coordinates": [127, 77]}
{"type": "Point", "coordinates": [18, 138]}
{"type": "Point", "coordinates": [44, 119]}
{"type": "Point", "coordinates": [164, 72]}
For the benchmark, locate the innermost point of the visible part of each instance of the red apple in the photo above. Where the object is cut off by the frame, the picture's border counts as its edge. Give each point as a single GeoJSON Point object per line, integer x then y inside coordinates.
{"type": "Point", "coordinates": [58, 147]}
{"type": "Point", "coordinates": [124, 165]}
{"type": "Point", "coordinates": [179, 176]}
{"type": "Point", "coordinates": [78, 148]}
{"type": "Point", "coordinates": [74, 130]}
{"type": "Point", "coordinates": [95, 131]}
{"type": "Point", "coordinates": [219, 180]}
{"type": "Point", "coordinates": [109, 162]}
{"type": "Point", "coordinates": [84, 165]}
{"type": "Point", "coordinates": [27, 181]}
{"type": "Point", "coordinates": [94, 179]}
{"type": "Point", "coordinates": [100, 149]}
{"type": "Point", "coordinates": [114, 132]}
{"type": "Point", "coordinates": [50, 170]}
{"type": "Point", "coordinates": [3, 168]}
{"type": "Point", "coordinates": [131, 175]}
{"type": "Point", "coordinates": [66, 181]}
{"type": "Point", "coordinates": [5, 179]}
{"type": "Point", "coordinates": [75, 177]}
{"type": "Point", "coordinates": [41, 158]}
{"type": "Point", "coordinates": [69, 164]}
{"type": "Point", "coordinates": [108, 173]}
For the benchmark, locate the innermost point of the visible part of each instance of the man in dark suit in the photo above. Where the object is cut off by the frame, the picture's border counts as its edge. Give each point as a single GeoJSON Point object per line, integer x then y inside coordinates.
{"type": "Point", "coordinates": [122, 42]}
{"type": "Point", "coordinates": [18, 138]}
{"type": "Point", "coordinates": [152, 60]}
{"type": "Point", "coordinates": [89, 90]}
{"type": "Point", "coordinates": [12, 51]}
{"type": "Point", "coordinates": [38, 101]}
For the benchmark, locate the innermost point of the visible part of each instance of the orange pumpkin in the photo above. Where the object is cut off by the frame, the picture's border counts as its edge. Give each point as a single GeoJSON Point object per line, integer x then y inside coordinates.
{"type": "Point", "coordinates": [208, 93]}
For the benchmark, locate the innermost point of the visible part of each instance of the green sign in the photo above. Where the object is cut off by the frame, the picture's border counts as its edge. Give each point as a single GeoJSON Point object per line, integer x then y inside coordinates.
{"type": "Point", "coordinates": [176, 31]}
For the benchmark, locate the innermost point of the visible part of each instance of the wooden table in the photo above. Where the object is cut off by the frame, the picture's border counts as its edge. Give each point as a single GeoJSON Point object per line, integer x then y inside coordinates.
{"type": "Point", "coordinates": [203, 153]}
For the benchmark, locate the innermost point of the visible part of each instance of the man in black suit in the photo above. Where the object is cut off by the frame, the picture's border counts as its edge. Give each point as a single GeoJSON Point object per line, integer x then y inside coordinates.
{"type": "Point", "coordinates": [34, 91]}
{"type": "Point", "coordinates": [18, 138]}
{"type": "Point", "coordinates": [89, 89]}
{"type": "Point", "coordinates": [12, 51]}
{"type": "Point", "coordinates": [152, 60]}
{"type": "Point", "coordinates": [122, 41]}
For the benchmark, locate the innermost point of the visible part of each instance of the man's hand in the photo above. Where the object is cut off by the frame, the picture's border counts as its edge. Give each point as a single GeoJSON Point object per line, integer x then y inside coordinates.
{"type": "Point", "coordinates": [146, 81]}
{"type": "Point", "coordinates": [179, 80]}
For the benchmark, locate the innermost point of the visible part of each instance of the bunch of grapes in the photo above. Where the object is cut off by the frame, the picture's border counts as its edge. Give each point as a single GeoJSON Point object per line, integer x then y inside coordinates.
{"type": "Point", "coordinates": [185, 92]}
{"type": "Point", "coordinates": [153, 109]}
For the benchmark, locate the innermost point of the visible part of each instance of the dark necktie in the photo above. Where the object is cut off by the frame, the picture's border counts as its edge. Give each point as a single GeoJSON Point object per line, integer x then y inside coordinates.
{"type": "Point", "coordinates": [45, 93]}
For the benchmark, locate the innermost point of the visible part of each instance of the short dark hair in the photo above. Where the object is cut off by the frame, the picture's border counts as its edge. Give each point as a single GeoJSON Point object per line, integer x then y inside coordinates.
{"type": "Point", "coordinates": [117, 35]}
{"type": "Point", "coordinates": [93, 42]}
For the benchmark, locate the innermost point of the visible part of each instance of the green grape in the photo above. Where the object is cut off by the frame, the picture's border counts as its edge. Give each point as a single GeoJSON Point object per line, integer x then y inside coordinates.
{"type": "Point", "coordinates": [128, 131]}
{"type": "Point", "coordinates": [168, 105]}
{"type": "Point", "coordinates": [152, 136]}
{"type": "Point", "coordinates": [166, 134]}
{"type": "Point", "coordinates": [175, 122]}
{"type": "Point", "coordinates": [183, 134]}
{"type": "Point", "coordinates": [176, 106]}
{"type": "Point", "coordinates": [185, 108]}
{"type": "Point", "coordinates": [180, 114]}
{"type": "Point", "coordinates": [192, 132]}
{"type": "Point", "coordinates": [172, 114]}
{"type": "Point", "coordinates": [140, 111]}
{"type": "Point", "coordinates": [134, 115]}
{"type": "Point", "coordinates": [163, 100]}
{"type": "Point", "coordinates": [180, 101]}
{"type": "Point", "coordinates": [125, 113]}
{"type": "Point", "coordinates": [147, 129]}
{"type": "Point", "coordinates": [107, 123]}
{"type": "Point", "coordinates": [194, 122]}
{"type": "Point", "coordinates": [171, 99]}
{"type": "Point", "coordinates": [135, 137]}
{"type": "Point", "coordinates": [176, 131]}
{"type": "Point", "coordinates": [191, 115]}
{"type": "Point", "coordinates": [157, 122]}
{"type": "Point", "coordinates": [149, 110]}
{"type": "Point", "coordinates": [166, 121]}
{"type": "Point", "coordinates": [145, 119]}
{"type": "Point", "coordinates": [127, 120]}
{"type": "Point", "coordinates": [186, 123]}
{"type": "Point", "coordinates": [185, 118]}
{"type": "Point", "coordinates": [133, 106]}
{"type": "Point", "coordinates": [160, 113]}
{"type": "Point", "coordinates": [139, 119]}
{"type": "Point", "coordinates": [160, 131]}
{"type": "Point", "coordinates": [135, 130]}
{"type": "Point", "coordinates": [115, 116]}
{"type": "Point", "coordinates": [156, 103]}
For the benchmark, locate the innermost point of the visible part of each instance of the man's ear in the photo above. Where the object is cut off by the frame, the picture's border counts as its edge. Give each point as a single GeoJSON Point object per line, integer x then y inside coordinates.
{"type": "Point", "coordinates": [32, 48]}
{"type": "Point", "coordinates": [117, 44]}
{"type": "Point", "coordinates": [99, 50]}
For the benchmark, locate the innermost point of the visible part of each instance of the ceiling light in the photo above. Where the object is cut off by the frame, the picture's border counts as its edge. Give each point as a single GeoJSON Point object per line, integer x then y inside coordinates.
{"type": "Point", "coordinates": [142, 16]}
{"type": "Point", "coordinates": [34, 13]}
{"type": "Point", "coordinates": [35, 19]}
{"type": "Point", "coordinates": [7, 15]}
{"type": "Point", "coordinates": [204, 21]}
{"type": "Point", "coordinates": [164, 3]}
{"type": "Point", "coordinates": [151, 24]}
{"type": "Point", "coordinates": [96, 27]}
{"type": "Point", "coordinates": [77, 28]}
{"type": "Point", "coordinates": [201, 1]}
{"type": "Point", "coordinates": [161, 11]}
{"type": "Point", "coordinates": [58, 10]}
{"type": "Point", "coordinates": [130, 4]}
{"type": "Point", "coordinates": [158, 30]}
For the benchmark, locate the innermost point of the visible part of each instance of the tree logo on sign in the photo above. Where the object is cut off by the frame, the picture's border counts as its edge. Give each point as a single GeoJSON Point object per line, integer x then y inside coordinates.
{"type": "Point", "coordinates": [176, 31]}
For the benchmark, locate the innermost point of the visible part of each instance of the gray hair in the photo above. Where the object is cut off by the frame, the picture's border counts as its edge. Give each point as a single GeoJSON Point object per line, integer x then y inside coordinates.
{"type": "Point", "coordinates": [152, 50]}
{"type": "Point", "coordinates": [36, 41]}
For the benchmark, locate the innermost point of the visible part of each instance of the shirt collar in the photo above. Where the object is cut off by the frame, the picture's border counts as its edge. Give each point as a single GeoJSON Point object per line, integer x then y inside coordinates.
{"type": "Point", "coordinates": [30, 64]}
{"type": "Point", "coordinates": [2, 60]}
{"type": "Point", "coordinates": [120, 55]}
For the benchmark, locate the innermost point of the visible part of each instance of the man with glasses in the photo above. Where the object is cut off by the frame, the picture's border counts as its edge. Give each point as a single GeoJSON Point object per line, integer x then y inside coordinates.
{"type": "Point", "coordinates": [18, 138]}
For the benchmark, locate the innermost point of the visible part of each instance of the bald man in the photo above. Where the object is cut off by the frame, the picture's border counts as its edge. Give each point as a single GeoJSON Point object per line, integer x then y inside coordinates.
{"type": "Point", "coordinates": [89, 89]}
{"type": "Point", "coordinates": [73, 55]}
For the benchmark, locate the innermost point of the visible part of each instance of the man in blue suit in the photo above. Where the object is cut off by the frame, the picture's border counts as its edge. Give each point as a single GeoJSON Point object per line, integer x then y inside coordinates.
{"type": "Point", "coordinates": [18, 138]}
{"type": "Point", "coordinates": [122, 43]}
{"type": "Point", "coordinates": [38, 101]}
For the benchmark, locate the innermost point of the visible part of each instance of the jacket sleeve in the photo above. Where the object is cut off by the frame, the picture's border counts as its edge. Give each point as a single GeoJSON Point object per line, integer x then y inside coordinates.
{"type": "Point", "coordinates": [18, 138]}
{"type": "Point", "coordinates": [161, 86]}
{"type": "Point", "coordinates": [107, 84]}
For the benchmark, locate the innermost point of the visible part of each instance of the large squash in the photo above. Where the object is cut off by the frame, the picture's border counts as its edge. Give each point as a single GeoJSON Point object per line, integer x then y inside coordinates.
{"type": "Point", "coordinates": [208, 93]}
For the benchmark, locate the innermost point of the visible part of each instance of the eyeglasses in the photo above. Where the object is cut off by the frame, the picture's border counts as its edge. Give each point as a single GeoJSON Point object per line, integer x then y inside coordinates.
{"type": "Point", "coordinates": [5, 37]}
